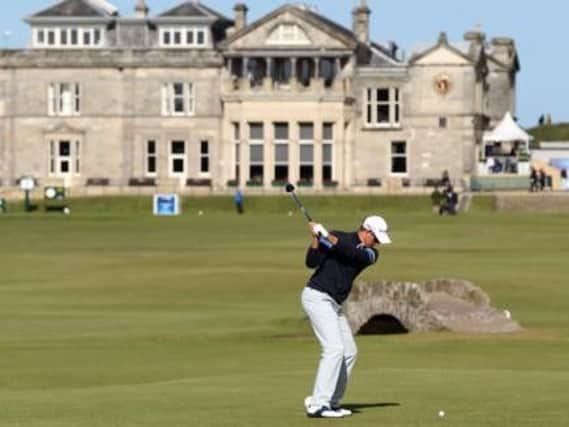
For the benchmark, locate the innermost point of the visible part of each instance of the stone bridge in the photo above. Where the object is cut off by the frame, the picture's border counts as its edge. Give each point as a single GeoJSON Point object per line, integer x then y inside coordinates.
{"type": "Point", "coordinates": [436, 305]}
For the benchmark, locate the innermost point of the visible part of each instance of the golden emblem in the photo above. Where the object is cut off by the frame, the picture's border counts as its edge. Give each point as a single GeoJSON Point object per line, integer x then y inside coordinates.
{"type": "Point", "coordinates": [442, 84]}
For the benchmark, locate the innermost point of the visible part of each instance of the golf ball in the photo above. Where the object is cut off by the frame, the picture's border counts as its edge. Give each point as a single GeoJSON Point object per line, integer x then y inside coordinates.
{"type": "Point", "coordinates": [507, 314]}
{"type": "Point", "coordinates": [441, 414]}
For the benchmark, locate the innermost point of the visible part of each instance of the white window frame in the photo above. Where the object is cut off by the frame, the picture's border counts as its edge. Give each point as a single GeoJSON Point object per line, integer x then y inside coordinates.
{"type": "Point", "coordinates": [306, 142]}
{"type": "Point", "coordinates": [328, 142]}
{"type": "Point", "coordinates": [58, 39]}
{"type": "Point", "coordinates": [257, 142]}
{"type": "Point", "coordinates": [169, 99]}
{"type": "Point", "coordinates": [184, 43]}
{"type": "Point", "coordinates": [369, 99]}
{"type": "Point", "coordinates": [281, 142]}
{"type": "Point", "coordinates": [56, 106]}
{"type": "Point", "coordinates": [177, 156]}
{"type": "Point", "coordinates": [55, 160]}
{"type": "Point", "coordinates": [148, 155]}
{"type": "Point", "coordinates": [393, 155]}
{"type": "Point", "coordinates": [205, 156]}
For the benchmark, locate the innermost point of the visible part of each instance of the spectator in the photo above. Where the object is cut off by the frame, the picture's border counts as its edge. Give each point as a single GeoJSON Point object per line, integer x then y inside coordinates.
{"type": "Point", "coordinates": [2, 205]}
{"type": "Point", "coordinates": [533, 180]}
{"type": "Point", "coordinates": [542, 180]}
{"type": "Point", "coordinates": [436, 199]}
{"type": "Point", "coordinates": [450, 202]}
{"type": "Point", "coordinates": [239, 201]}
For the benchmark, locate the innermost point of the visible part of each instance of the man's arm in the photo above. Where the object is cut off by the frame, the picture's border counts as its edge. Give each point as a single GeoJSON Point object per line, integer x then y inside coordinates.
{"type": "Point", "coordinates": [361, 255]}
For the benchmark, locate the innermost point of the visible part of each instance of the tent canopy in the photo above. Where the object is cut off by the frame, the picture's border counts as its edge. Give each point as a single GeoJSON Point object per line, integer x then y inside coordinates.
{"type": "Point", "coordinates": [507, 131]}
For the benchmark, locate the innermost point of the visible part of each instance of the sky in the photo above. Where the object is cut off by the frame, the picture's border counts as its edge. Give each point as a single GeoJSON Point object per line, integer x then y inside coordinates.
{"type": "Point", "coordinates": [539, 29]}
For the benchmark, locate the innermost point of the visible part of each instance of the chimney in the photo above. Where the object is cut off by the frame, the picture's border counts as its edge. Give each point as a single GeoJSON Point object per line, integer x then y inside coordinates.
{"type": "Point", "coordinates": [240, 10]}
{"type": "Point", "coordinates": [141, 9]}
{"type": "Point", "coordinates": [360, 17]}
{"type": "Point", "coordinates": [503, 49]}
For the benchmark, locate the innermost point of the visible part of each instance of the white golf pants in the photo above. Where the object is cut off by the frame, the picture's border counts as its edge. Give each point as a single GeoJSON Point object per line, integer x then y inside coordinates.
{"type": "Point", "coordinates": [339, 349]}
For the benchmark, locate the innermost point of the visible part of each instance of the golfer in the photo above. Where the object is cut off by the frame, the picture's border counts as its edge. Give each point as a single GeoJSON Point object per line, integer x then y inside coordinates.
{"type": "Point", "coordinates": [338, 258]}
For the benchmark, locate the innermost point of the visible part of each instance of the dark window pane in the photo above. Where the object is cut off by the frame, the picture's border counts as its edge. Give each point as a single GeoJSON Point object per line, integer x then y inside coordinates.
{"type": "Point", "coordinates": [237, 153]}
{"type": "Point", "coordinates": [151, 147]}
{"type": "Point", "coordinates": [369, 111]}
{"type": "Point", "coordinates": [383, 113]}
{"type": "Point", "coordinates": [179, 105]}
{"type": "Point", "coordinates": [177, 37]}
{"type": "Point", "coordinates": [399, 165]}
{"type": "Point", "coordinates": [236, 132]}
{"type": "Point", "coordinates": [166, 37]}
{"type": "Point", "coordinates": [256, 173]}
{"type": "Point", "coordinates": [152, 165]}
{"type": "Point", "coordinates": [398, 148]}
{"type": "Point", "coordinates": [204, 147]}
{"type": "Point", "coordinates": [65, 166]}
{"type": "Point", "coordinates": [281, 153]}
{"type": "Point", "coordinates": [51, 38]}
{"type": "Point", "coordinates": [281, 173]}
{"type": "Point", "coordinates": [87, 38]}
{"type": "Point", "coordinates": [64, 148]}
{"type": "Point", "coordinates": [306, 153]}
{"type": "Point", "coordinates": [327, 153]}
{"type": "Point", "coordinates": [74, 37]}
{"type": "Point", "coordinates": [41, 36]}
{"type": "Point", "coordinates": [327, 173]}
{"type": "Point", "coordinates": [178, 147]}
{"type": "Point", "coordinates": [190, 37]}
{"type": "Point", "coordinates": [63, 37]}
{"type": "Point", "coordinates": [306, 172]}
{"type": "Point", "coordinates": [397, 114]}
{"type": "Point", "coordinates": [204, 167]}
{"type": "Point", "coordinates": [383, 95]}
{"type": "Point", "coordinates": [201, 37]}
{"type": "Point", "coordinates": [97, 36]}
{"type": "Point", "coordinates": [442, 122]}
{"type": "Point", "coordinates": [178, 165]}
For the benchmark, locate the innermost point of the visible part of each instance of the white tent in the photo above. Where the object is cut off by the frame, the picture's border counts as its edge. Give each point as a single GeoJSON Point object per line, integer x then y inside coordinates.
{"type": "Point", "coordinates": [507, 131]}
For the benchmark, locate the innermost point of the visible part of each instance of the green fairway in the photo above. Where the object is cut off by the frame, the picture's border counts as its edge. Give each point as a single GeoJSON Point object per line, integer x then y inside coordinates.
{"type": "Point", "coordinates": [112, 317]}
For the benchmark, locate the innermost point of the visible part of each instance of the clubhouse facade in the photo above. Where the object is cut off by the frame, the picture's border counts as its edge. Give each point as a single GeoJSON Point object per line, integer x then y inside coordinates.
{"type": "Point", "coordinates": [189, 100]}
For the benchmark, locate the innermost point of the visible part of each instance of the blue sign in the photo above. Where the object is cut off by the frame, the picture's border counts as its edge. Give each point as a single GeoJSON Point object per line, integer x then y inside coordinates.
{"type": "Point", "coordinates": [166, 204]}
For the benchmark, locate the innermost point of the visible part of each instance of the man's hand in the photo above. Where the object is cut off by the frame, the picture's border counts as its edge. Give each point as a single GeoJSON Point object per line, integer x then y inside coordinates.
{"type": "Point", "coordinates": [319, 230]}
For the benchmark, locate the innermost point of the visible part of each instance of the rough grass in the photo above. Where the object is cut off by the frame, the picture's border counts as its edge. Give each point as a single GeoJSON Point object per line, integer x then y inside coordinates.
{"type": "Point", "coordinates": [110, 317]}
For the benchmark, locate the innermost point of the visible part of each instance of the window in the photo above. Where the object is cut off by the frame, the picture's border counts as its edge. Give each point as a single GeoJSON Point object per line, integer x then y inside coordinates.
{"type": "Point", "coordinates": [256, 153]}
{"type": "Point", "coordinates": [281, 151]}
{"type": "Point", "coordinates": [237, 145]}
{"type": "Point", "coordinates": [64, 99]}
{"type": "Point", "coordinates": [204, 157]}
{"type": "Point", "coordinates": [177, 158]}
{"type": "Point", "coordinates": [306, 152]}
{"type": "Point", "coordinates": [399, 157]}
{"type": "Point", "coordinates": [327, 152]}
{"type": "Point", "coordinates": [443, 122]}
{"type": "Point", "coordinates": [150, 164]}
{"type": "Point", "coordinates": [382, 107]}
{"type": "Point", "coordinates": [68, 37]}
{"type": "Point", "coordinates": [183, 37]}
{"type": "Point", "coordinates": [178, 99]}
{"type": "Point", "coordinates": [64, 157]}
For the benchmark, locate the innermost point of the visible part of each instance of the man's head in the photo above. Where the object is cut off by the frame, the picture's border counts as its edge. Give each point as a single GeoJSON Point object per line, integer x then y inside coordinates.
{"type": "Point", "coordinates": [373, 231]}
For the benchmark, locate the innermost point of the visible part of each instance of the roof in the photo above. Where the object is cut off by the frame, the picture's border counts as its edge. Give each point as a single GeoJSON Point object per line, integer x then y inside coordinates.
{"type": "Point", "coordinates": [79, 8]}
{"type": "Point", "coordinates": [309, 15]}
{"type": "Point", "coordinates": [507, 130]}
{"type": "Point", "coordinates": [192, 9]}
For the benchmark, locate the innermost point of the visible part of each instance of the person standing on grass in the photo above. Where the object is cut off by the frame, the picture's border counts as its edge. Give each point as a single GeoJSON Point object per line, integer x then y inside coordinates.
{"type": "Point", "coordinates": [338, 258]}
{"type": "Point", "coordinates": [238, 199]}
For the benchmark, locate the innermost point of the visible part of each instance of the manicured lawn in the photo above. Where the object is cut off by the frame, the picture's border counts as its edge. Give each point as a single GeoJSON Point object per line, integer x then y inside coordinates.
{"type": "Point", "coordinates": [111, 317]}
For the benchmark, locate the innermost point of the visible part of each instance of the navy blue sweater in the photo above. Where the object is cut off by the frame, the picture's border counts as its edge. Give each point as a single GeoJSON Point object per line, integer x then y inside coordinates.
{"type": "Point", "coordinates": [338, 266]}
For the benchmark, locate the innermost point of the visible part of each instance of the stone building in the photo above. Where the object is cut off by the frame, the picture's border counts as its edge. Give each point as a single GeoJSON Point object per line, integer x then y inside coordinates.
{"type": "Point", "coordinates": [193, 101]}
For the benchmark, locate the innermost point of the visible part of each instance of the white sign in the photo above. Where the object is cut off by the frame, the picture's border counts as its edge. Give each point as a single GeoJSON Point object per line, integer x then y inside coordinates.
{"type": "Point", "coordinates": [27, 183]}
{"type": "Point", "coordinates": [166, 204]}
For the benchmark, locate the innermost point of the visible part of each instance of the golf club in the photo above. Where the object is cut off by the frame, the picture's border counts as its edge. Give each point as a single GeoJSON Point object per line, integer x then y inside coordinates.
{"type": "Point", "coordinates": [290, 189]}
